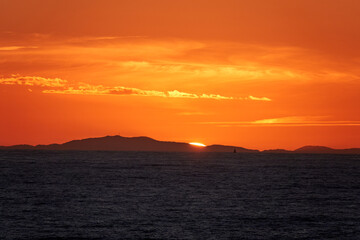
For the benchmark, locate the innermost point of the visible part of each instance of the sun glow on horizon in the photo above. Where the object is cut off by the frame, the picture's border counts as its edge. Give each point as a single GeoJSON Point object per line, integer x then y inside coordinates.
{"type": "Point", "coordinates": [197, 144]}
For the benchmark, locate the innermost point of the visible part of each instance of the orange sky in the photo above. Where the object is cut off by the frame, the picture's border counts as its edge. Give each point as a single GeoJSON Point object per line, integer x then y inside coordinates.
{"type": "Point", "coordinates": [253, 73]}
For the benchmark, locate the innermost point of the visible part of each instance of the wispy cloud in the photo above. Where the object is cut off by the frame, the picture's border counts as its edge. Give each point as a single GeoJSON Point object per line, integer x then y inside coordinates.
{"type": "Point", "coordinates": [10, 48]}
{"type": "Point", "coordinates": [292, 121]}
{"type": "Point", "coordinates": [245, 71]}
{"type": "Point", "coordinates": [14, 48]}
{"type": "Point", "coordinates": [60, 86]}
{"type": "Point", "coordinates": [87, 89]}
{"type": "Point", "coordinates": [184, 61]}
{"type": "Point", "coordinates": [33, 81]}
{"type": "Point", "coordinates": [259, 98]}
{"type": "Point", "coordinates": [192, 113]}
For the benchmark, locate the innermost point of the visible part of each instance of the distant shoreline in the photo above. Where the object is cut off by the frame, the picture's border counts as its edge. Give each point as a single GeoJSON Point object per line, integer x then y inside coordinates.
{"type": "Point", "coordinates": [146, 144]}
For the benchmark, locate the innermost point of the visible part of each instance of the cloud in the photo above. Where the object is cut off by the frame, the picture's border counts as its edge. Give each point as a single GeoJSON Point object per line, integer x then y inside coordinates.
{"type": "Point", "coordinates": [177, 94]}
{"type": "Point", "coordinates": [86, 89]}
{"type": "Point", "coordinates": [244, 71]}
{"type": "Point", "coordinates": [33, 81]}
{"type": "Point", "coordinates": [293, 121]}
{"type": "Point", "coordinates": [304, 121]}
{"type": "Point", "coordinates": [192, 113]}
{"type": "Point", "coordinates": [289, 120]}
{"type": "Point", "coordinates": [14, 48]}
{"type": "Point", "coordinates": [185, 59]}
{"type": "Point", "coordinates": [259, 98]}
{"type": "Point", "coordinates": [63, 87]}
{"type": "Point", "coordinates": [10, 48]}
{"type": "Point", "coordinates": [216, 96]}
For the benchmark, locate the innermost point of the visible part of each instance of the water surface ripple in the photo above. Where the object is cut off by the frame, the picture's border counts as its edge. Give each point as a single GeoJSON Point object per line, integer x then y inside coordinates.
{"type": "Point", "coordinates": [148, 195]}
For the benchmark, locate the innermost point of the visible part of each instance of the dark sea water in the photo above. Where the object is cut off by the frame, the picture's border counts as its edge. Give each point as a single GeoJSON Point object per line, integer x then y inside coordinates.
{"type": "Point", "coordinates": [145, 195]}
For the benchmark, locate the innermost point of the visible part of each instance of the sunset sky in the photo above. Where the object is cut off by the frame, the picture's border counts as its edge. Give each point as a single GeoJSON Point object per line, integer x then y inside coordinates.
{"type": "Point", "coordinates": [253, 73]}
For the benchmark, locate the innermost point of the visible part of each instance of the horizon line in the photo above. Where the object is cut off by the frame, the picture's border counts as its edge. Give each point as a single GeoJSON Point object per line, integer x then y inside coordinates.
{"type": "Point", "coordinates": [171, 141]}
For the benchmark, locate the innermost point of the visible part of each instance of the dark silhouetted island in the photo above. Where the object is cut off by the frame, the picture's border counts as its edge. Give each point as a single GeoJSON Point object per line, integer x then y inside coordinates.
{"type": "Point", "coordinates": [316, 150]}
{"type": "Point", "coordinates": [277, 151]}
{"type": "Point", "coordinates": [119, 143]}
{"type": "Point", "coordinates": [326, 150]}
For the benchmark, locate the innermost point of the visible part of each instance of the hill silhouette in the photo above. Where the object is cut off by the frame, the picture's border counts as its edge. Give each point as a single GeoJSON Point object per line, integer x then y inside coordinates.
{"type": "Point", "coordinates": [326, 150]}
{"type": "Point", "coordinates": [119, 143]}
{"type": "Point", "coordinates": [316, 150]}
{"type": "Point", "coordinates": [277, 151]}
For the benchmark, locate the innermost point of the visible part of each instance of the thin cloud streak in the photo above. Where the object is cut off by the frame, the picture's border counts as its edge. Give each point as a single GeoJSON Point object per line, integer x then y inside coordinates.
{"type": "Point", "coordinates": [247, 71]}
{"type": "Point", "coordinates": [33, 81]}
{"type": "Point", "coordinates": [62, 87]}
{"type": "Point", "coordinates": [259, 98]}
{"type": "Point", "coordinates": [14, 48]}
{"type": "Point", "coordinates": [234, 62]}
{"type": "Point", "coordinates": [10, 48]}
{"type": "Point", "coordinates": [299, 121]}
{"type": "Point", "coordinates": [87, 89]}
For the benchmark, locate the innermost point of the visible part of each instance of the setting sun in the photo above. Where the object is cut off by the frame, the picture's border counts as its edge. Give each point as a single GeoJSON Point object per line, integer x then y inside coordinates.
{"type": "Point", "coordinates": [197, 144]}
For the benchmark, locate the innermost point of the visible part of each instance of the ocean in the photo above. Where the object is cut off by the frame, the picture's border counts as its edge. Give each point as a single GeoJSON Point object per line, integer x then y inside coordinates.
{"type": "Point", "coordinates": [150, 195]}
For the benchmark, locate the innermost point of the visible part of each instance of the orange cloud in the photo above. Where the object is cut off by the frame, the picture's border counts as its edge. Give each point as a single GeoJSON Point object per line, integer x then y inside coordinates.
{"type": "Point", "coordinates": [10, 48]}
{"type": "Point", "coordinates": [63, 87]}
{"type": "Point", "coordinates": [33, 81]}
{"type": "Point", "coordinates": [87, 89]}
{"type": "Point", "coordinates": [183, 60]}
{"type": "Point", "coordinates": [259, 98]}
{"type": "Point", "coordinates": [14, 48]}
{"type": "Point", "coordinates": [298, 121]}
